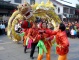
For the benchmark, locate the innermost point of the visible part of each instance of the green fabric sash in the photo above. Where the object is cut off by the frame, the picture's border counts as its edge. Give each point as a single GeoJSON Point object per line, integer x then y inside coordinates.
{"type": "Point", "coordinates": [42, 47]}
{"type": "Point", "coordinates": [22, 34]}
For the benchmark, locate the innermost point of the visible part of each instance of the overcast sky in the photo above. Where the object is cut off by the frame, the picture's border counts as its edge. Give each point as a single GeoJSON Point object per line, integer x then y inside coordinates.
{"type": "Point", "coordinates": [74, 2]}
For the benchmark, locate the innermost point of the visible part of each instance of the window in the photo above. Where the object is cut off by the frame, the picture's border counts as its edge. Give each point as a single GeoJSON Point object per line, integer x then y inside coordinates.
{"type": "Point", "coordinates": [32, 1]}
{"type": "Point", "coordinates": [17, 1]}
{"type": "Point", "coordinates": [72, 11]}
{"type": "Point", "coordinates": [66, 10]}
{"type": "Point", "coordinates": [70, 16]}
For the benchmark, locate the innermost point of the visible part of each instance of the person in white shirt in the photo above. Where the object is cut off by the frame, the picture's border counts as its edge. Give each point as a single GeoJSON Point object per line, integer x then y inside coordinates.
{"type": "Point", "coordinates": [3, 28]}
{"type": "Point", "coordinates": [72, 33]}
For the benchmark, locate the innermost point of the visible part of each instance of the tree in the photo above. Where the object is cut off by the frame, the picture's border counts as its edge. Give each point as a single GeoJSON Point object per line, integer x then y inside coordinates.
{"type": "Point", "coordinates": [77, 5]}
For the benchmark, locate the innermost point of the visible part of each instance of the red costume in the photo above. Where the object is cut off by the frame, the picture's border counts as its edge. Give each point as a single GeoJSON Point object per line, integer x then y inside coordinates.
{"type": "Point", "coordinates": [34, 35]}
{"type": "Point", "coordinates": [62, 41]}
{"type": "Point", "coordinates": [62, 44]}
{"type": "Point", "coordinates": [46, 37]}
{"type": "Point", "coordinates": [26, 27]}
{"type": "Point", "coordinates": [25, 36]}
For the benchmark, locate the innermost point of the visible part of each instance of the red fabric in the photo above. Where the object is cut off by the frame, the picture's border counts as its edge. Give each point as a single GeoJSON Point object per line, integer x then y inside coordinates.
{"type": "Point", "coordinates": [34, 35]}
{"type": "Point", "coordinates": [50, 36]}
{"type": "Point", "coordinates": [24, 24]}
{"type": "Point", "coordinates": [47, 35]}
{"type": "Point", "coordinates": [26, 31]}
{"type": "Point", "coordinates": [62, 40]}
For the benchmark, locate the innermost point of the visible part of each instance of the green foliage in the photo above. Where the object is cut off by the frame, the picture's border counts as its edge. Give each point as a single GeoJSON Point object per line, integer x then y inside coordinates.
{"type": "Point", "coordinates": [77, 5]}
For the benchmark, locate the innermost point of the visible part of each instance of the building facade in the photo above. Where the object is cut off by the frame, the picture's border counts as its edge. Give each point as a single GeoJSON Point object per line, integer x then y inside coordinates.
{"type": "Point", "coordinates": [6, 8]}
{"type": "Point", "coordinates": [64, 11]}
{"type": "Point", "coordinates": [14, 1]}
{"type": "Point", "coordinates": [68, 11]}
{"type": "Point", "coordinates": [21, 1]}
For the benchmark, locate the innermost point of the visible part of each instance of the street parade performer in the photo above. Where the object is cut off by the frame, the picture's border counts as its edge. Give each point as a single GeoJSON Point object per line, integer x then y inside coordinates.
{"type": "Point", "coordinates": [26, 14]}
{"type": "Point", "coordinates": [35, 37]}
{"type": "Point", "coordinates": [25, 33]}
{"type": "Point", "coordinates": [62, 42]}
{"type": "Point", "coordinates": [45, 44]}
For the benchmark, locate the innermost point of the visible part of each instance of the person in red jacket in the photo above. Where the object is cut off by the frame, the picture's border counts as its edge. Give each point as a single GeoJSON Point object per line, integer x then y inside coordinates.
{"type": "Point", "coordinates": [25, 25]}
{"type": "Point", "coordinates": [34, 35]}
{"type": "Point", "coordinates": [62, 47]}
{"type": "Point", "coordinates": [46, 38]}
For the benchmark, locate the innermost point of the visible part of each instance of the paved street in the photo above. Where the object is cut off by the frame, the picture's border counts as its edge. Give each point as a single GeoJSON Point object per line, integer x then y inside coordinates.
{"type": "Point", "coordinates": [12, 51]}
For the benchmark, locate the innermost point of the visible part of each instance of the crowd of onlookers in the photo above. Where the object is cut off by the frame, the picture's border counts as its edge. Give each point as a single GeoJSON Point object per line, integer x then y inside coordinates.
{"type": "Point", "coordinates": [72, 29]}
{"type": "Point", "coordinates": [3, 25]}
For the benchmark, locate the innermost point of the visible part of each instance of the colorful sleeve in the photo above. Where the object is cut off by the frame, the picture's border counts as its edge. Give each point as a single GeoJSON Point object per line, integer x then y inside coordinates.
{"type": "Point", "coordinates": [51, 32]}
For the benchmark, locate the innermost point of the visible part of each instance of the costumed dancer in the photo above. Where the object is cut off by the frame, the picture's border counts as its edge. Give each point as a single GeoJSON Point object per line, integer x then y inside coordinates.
{"type": "Point", "coordinates": [45, 42]}
{"type": "Point", "coordinates": [34, 35]}
{"type": "Point", "coordinates": [26, 27]}
{"type": "Point", "coordinates": [62, 42]}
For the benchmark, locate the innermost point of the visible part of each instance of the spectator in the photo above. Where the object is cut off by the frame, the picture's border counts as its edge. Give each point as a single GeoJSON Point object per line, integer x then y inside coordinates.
{"type": "Point", "coordinates": [0, 29]}
{"type": "Point", "coordinates": [78, 33]}
{"type": "Point", "coordinates": [5, 23]}
{"type": "Point", "coordinates": [67, 31]}
{"type": "Point", "coordinates": [3, 28]}
{"type": "Point", "coordinates": [75, 33]}
{"type": "Point", "coordinates": [72, 25]}
{"type": "Point", "coordinates": [72, 33]}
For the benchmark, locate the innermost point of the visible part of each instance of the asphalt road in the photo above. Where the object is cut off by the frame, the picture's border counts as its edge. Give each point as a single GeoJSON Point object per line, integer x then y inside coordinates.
{"type": "Point", "coordinates": [12, 51]}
